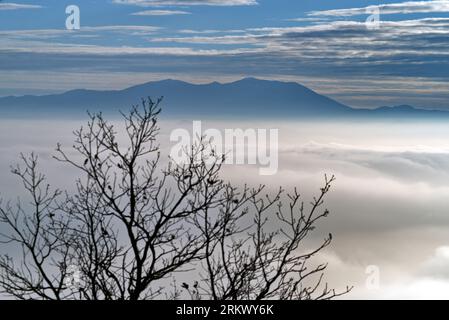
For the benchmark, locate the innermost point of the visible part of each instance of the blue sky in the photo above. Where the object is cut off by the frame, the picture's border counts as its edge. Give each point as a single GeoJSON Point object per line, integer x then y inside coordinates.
{"type": "Point", "coordinates": [323, 44]}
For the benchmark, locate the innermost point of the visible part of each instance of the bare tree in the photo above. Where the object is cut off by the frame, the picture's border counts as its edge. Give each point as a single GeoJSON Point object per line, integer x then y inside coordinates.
{"type": "Point", "coordinates": [131, 226]}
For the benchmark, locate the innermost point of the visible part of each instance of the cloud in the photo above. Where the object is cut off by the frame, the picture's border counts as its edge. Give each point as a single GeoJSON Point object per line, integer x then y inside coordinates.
{"type": "Point", "coordinates": [17, 6]}
{"type": "Point", "coordinates": [437, 266]}
{"type": "Point", "coordinates": [158, 3]}
{"type": "Point", "coordinates": [345, 44]}
{"type": "Point", "coordinates": [374, 221]}
{"type": "Point", "coordinates": [428, 164]}
{"type": "Point", "coordinates": [226, 39]}
{"type": "Point", "coordinates": [44, 34]}
{"type": "Point", "coordinates": [391, 8]}
{"type": "Point", "coordinates": [160, 13]}
{"type": "Point", "coordinates": [430, 280]}
{"type": "Point", "coordinates": [308, 19]}
{"type": "Point", "coordinates": [341, 47]}
{"type": "Point", "coordinates": [210, 31]}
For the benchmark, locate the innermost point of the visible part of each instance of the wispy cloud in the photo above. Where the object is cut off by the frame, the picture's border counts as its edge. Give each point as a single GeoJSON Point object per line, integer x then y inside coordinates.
{"type": "Point", "coordinates": [157, 3]}
{"type": "Point", "coordinates": [45, 34]}
{"type": "Point", "coordinates": [211, 31]}
{"type": "Point", "coordinates": [308, 19]}
{"type": "Point", "coordinates": [339, 39]}
{"type": "Point", "coordinates": [159, 13]}
{"type": "Point", "coordinates": [127, 29]}
{"type": "Point", "coordinates": [17, 6]}
{"type": "Point", "coordinates": [391, 8]}
{"type": "Point", "coordinates": [227, 39]}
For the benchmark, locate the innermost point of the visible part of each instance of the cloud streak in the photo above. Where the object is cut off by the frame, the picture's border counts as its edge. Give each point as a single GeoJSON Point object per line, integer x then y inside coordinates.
{"type": "Point", "coordinates": [17, 6]}
{"type": "Point", "coordinates": [391, 8]}
{"type": "Point", "coordinates": [160, 13]}
{"type": "Point", "coordinates": [159, 3]}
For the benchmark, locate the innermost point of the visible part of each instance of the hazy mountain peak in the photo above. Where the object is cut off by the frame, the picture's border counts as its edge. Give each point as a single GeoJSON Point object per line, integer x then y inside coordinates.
{"type": "Point", "coordinates": [248, 97]}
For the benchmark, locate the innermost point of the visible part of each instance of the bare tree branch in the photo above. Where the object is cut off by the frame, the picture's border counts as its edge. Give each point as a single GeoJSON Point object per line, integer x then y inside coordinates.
{"type": "Point", "coordinates": [131, 225]}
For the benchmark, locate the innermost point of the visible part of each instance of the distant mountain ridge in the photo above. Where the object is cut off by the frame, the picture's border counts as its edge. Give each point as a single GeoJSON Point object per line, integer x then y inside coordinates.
{"type": "Point", "coordinates": [248, 97]}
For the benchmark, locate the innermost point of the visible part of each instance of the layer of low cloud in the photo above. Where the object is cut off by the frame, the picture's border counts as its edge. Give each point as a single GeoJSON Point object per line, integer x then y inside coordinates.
{"type": "Point", "coordinates": [381, 215]}
{"type": "Point", "coordinates": [427, 165]}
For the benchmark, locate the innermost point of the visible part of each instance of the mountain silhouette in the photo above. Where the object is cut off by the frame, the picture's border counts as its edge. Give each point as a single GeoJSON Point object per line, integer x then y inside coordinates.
{"type": "Point", "coordinates": [246, 98]}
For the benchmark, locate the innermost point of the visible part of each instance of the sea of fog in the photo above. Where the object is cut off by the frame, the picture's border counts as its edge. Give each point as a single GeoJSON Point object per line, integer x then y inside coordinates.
{"type": "Point", "coordinates": [389, 205]}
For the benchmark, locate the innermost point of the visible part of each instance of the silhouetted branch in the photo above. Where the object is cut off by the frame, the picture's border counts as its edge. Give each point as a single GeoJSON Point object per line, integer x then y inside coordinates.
{"type": "Point", "coordinates": [130, 225]}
